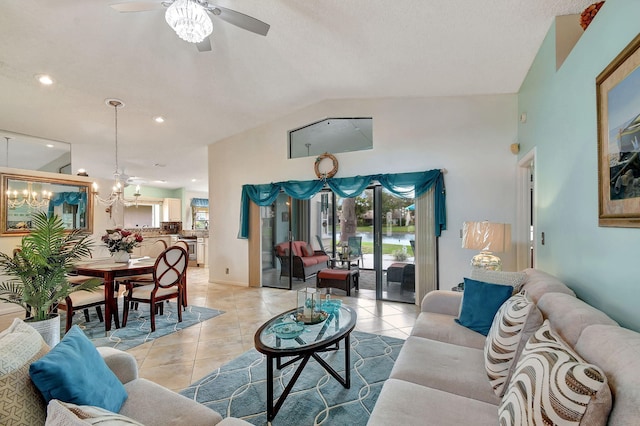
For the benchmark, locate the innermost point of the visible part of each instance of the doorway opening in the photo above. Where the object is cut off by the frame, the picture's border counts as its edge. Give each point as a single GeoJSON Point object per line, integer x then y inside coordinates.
{"type": "Point", "coordinates": [526, 211]}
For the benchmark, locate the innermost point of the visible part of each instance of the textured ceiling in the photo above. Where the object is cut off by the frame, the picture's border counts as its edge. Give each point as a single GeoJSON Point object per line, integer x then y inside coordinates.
{"type": "Point", "coordinates": [315, 50]}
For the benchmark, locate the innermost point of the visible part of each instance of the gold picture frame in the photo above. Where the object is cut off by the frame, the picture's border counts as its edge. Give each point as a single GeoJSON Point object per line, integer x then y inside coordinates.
{"type": "Point", "coordinates": [618, 104]}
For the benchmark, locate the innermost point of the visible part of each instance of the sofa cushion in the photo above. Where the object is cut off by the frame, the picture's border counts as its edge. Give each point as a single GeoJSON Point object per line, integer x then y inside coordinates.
{"type": "Point", "coordinates": [443, 366]}
{"type": "Point", "coordinates": [443, 328]}
{"type": "Point", "coordinates": [408, 404]}
{"type": "Point", "coordinates": [306, 249]}
{"type": "Point", "coordinates": [569, 315]}
{"type": "Point", "coordinates": [517, 319]}
{"type": "Point", "coordinates": [165, 407]}
{"type": "Point", "coordinates": [514, 279]}
{"type": "Point", "coordinates": [20, 345]}
{"type": "Point", "coordinates": [73, 371]}
{"type": "Point", "coordinates": [66, 414]}
{"type": "Point", "coordinates": [480, 303]}
{"type": "Point", "coordinates": [553, 385]}
{"type": "Point", "coordinates": [539, 283]}
{"type": "Point", "coordinates": [617, 351]}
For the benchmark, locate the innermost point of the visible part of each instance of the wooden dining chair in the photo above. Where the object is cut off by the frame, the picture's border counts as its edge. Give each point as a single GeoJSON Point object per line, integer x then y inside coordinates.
{"type": "Point", "coordinates": [83, 300]}
{"type": "Point", "coordinates": [154, 250]}
{"type": "Point", "coordinates": [185, 246]}
{"type": "Point", "coordinates": [168, 277]}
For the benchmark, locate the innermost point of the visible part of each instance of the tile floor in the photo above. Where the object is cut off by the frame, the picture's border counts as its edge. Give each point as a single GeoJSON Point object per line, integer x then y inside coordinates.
{"type": "Point", "coordinates": [181, 358]}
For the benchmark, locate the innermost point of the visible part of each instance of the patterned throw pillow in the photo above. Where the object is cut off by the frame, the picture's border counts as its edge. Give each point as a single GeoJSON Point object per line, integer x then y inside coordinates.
{"type": "Point", "coordinates": [514, 279]}
{"type": "Point", "coordinates": [553, 385]}
{"type": "Point", "coordinates": [66, 414]}
{"type": "Point", "coordinates": [20, 345]}
{"type": "Point", "coordinates": [516, 320]}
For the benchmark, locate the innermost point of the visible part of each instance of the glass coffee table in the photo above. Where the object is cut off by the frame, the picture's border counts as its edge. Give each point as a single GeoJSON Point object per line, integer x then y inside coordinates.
{"type": "Point", "coordinates": [283, 337]}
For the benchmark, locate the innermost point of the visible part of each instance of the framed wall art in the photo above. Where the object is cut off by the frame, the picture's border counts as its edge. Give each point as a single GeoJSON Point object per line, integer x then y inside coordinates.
{"type": "Point", "coordinates": [618, 102]}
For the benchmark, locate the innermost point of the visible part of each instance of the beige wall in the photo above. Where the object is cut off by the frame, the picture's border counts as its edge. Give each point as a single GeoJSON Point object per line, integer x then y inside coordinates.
{"type": "Point", "coordinates": [467, 136]}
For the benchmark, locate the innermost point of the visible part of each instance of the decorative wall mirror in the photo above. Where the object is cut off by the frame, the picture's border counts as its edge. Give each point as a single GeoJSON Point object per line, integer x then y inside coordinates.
{"type": "Point", "coordinates": [24, 195]}
{"type": "Point", "coordinates": [26, 152]}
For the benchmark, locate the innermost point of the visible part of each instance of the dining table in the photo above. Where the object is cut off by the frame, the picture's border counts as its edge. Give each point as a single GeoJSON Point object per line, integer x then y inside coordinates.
{"type": "Point", "coordinates": [109, 270]}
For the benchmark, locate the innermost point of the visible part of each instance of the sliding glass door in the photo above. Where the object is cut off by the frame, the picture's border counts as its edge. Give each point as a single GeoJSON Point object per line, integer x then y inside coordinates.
{"type": "Point", "coordinates": [276, 226]}
{"type": "Point", "coordinates": [377, 228]}
{"type": "Point", "coordinates": [397, 236]}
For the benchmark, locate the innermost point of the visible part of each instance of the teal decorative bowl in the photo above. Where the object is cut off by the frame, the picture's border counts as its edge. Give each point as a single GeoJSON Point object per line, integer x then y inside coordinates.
{"type": "Point", "coordinates": [331, 306]}
{"type": "Point", "coordinates": [287, 330]}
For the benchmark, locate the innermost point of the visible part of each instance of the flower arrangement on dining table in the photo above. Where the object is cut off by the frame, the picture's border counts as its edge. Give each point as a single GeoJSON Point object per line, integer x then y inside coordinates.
{"type": "Point", "coordinates": [121, 240]}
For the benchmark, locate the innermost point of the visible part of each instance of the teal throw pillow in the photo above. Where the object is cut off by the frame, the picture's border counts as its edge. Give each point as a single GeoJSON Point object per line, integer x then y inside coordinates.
{"type": "Point", "coordinates": [480, 303]}
{"type": "Point", "coordinates": [73, 371]}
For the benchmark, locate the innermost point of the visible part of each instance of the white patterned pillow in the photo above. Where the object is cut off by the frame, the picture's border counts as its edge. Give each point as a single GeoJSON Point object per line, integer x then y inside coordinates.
{"type": "Point", "coordinates": [22, 403]}
{"type": "Point", "coordinates": [66, 414]}
{"type": "Point", "coordinates": [514, 279]}
{"type": "Point", "coordinates": [553, 385]}
{"type": "Point", "coordinates": [516, 320]}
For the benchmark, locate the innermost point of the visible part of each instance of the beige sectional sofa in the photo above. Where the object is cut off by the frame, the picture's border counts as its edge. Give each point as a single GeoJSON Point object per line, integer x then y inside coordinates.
{"type": "Point", "coordinates": [147, 403]}
{"type": "Point", "coordinates": [440, 378]}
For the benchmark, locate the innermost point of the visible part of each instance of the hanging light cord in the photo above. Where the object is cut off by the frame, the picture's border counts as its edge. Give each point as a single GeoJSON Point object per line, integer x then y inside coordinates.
{"type": "Point", "coordinates": [115, 106]}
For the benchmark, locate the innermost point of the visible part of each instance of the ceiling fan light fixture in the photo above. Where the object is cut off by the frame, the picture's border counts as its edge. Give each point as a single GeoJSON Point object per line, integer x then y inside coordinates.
{"type": "Point", "coordinates": [189, 20]}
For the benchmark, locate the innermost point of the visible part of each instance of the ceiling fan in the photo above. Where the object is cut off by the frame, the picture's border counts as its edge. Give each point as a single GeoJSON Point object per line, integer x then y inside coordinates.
{"type": "Point", "coordinates": [190, 19]}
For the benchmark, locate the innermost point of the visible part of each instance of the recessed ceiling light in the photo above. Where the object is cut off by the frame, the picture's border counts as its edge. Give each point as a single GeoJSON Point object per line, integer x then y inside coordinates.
{"type": "Point", "coordinates": [193, 180]}
{"type": "Point", "coordinates": [49, 145]}
{"type": "Point", "coordinates": [160, 181]}
{"type": "Point", "coordinates": [44, 79]}
{"type": "Point", "coordinates": [158, 119]}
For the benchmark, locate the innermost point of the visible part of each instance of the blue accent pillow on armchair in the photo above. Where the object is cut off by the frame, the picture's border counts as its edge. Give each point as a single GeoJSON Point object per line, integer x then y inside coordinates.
{"type": "Point", "coordinates": [480, 303]}
{"type": "Point", "coordinates": [73, 371]}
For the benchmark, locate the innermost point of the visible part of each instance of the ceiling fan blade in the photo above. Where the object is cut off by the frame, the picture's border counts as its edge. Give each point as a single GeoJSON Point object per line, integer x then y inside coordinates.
{"type": "Point", "coordinates": [240, 19]}
{"type": "Point", "coordinates": [137, 6]}
{"type": "Point", "coordinates": [204, 45]}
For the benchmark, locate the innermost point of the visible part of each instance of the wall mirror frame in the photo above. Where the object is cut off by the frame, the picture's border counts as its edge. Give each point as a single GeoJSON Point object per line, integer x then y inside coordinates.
{"type": "Point", "coordinates": [70, 199]}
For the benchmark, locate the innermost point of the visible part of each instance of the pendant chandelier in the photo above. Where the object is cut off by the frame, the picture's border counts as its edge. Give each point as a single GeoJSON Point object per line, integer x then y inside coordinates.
{"type": "Point", "coordinates": [189, 20]}
{"type": "Point", "coordinates": [117, 191]}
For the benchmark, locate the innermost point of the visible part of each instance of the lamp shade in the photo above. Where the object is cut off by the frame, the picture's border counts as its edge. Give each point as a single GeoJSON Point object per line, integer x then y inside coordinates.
{"type": "Point", "coordinates": [486, 236]}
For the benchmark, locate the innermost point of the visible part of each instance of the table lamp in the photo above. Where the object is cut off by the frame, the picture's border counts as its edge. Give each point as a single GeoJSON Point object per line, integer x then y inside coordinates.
{"type": "Point", "coordinates": [488, 237]}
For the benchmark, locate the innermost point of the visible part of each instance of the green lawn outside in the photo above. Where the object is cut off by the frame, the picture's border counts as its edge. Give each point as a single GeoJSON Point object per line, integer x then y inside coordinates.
{"type": "Point", "coordinates": [367, 248]}
{"type": "Point", "coordinates": [399, 229]}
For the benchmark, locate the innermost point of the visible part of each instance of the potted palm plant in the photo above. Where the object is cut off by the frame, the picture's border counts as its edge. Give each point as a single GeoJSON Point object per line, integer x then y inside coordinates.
{"type": "Point", "coordinates": [38, 272]}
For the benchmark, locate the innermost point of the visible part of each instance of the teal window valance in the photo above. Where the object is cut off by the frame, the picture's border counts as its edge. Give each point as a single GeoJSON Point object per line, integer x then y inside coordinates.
{"type": "Point", "coordinates": [406, 185]}
{"type": "Point", "coordinates": [200, 202]}
{"type": "Point", "coordinates": [72, 198]}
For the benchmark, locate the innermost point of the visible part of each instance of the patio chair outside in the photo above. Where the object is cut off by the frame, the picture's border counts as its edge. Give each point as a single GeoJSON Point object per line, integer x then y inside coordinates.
{"type": "Point", "coordinates": [355, 248]}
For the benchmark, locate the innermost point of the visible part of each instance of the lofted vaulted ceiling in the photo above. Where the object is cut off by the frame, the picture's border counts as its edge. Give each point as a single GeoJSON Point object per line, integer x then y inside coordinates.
{"type": "Point", "coordinates": [315, 50]}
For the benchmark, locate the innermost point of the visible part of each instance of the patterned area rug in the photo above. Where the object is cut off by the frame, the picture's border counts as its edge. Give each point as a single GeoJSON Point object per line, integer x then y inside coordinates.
{"type": "Point", "coordinates": [238, 389]}
{"type": "Point", "coordinates": [138, 329]}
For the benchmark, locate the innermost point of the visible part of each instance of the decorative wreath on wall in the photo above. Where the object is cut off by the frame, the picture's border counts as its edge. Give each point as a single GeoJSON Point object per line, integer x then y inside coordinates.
{"type": "Point", "coordinates": [330, 173]}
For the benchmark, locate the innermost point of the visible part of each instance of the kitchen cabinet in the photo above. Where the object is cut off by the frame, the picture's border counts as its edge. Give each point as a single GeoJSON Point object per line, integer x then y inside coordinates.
{"type": "Point", "coordinates": [202, 251]}
{"type": "Point", "coordinates": [172, 210]}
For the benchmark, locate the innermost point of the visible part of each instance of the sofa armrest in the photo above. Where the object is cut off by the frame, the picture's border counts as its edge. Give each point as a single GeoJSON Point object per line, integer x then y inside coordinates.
{"type": "Point", "coordinates": [123, 364]}
{"type": "Point", "coordinates": [442, 302]}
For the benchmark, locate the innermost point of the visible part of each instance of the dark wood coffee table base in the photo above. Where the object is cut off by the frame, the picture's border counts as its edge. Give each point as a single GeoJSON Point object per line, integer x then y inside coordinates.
{"type": "Point", "coordinates": [272, 409]}
{"type": "Point", "coordinates": [309, 343]}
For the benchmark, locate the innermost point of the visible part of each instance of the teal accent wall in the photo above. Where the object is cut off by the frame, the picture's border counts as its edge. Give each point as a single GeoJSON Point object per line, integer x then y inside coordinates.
{"type": "Point", "coordinates": [601, 264]}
